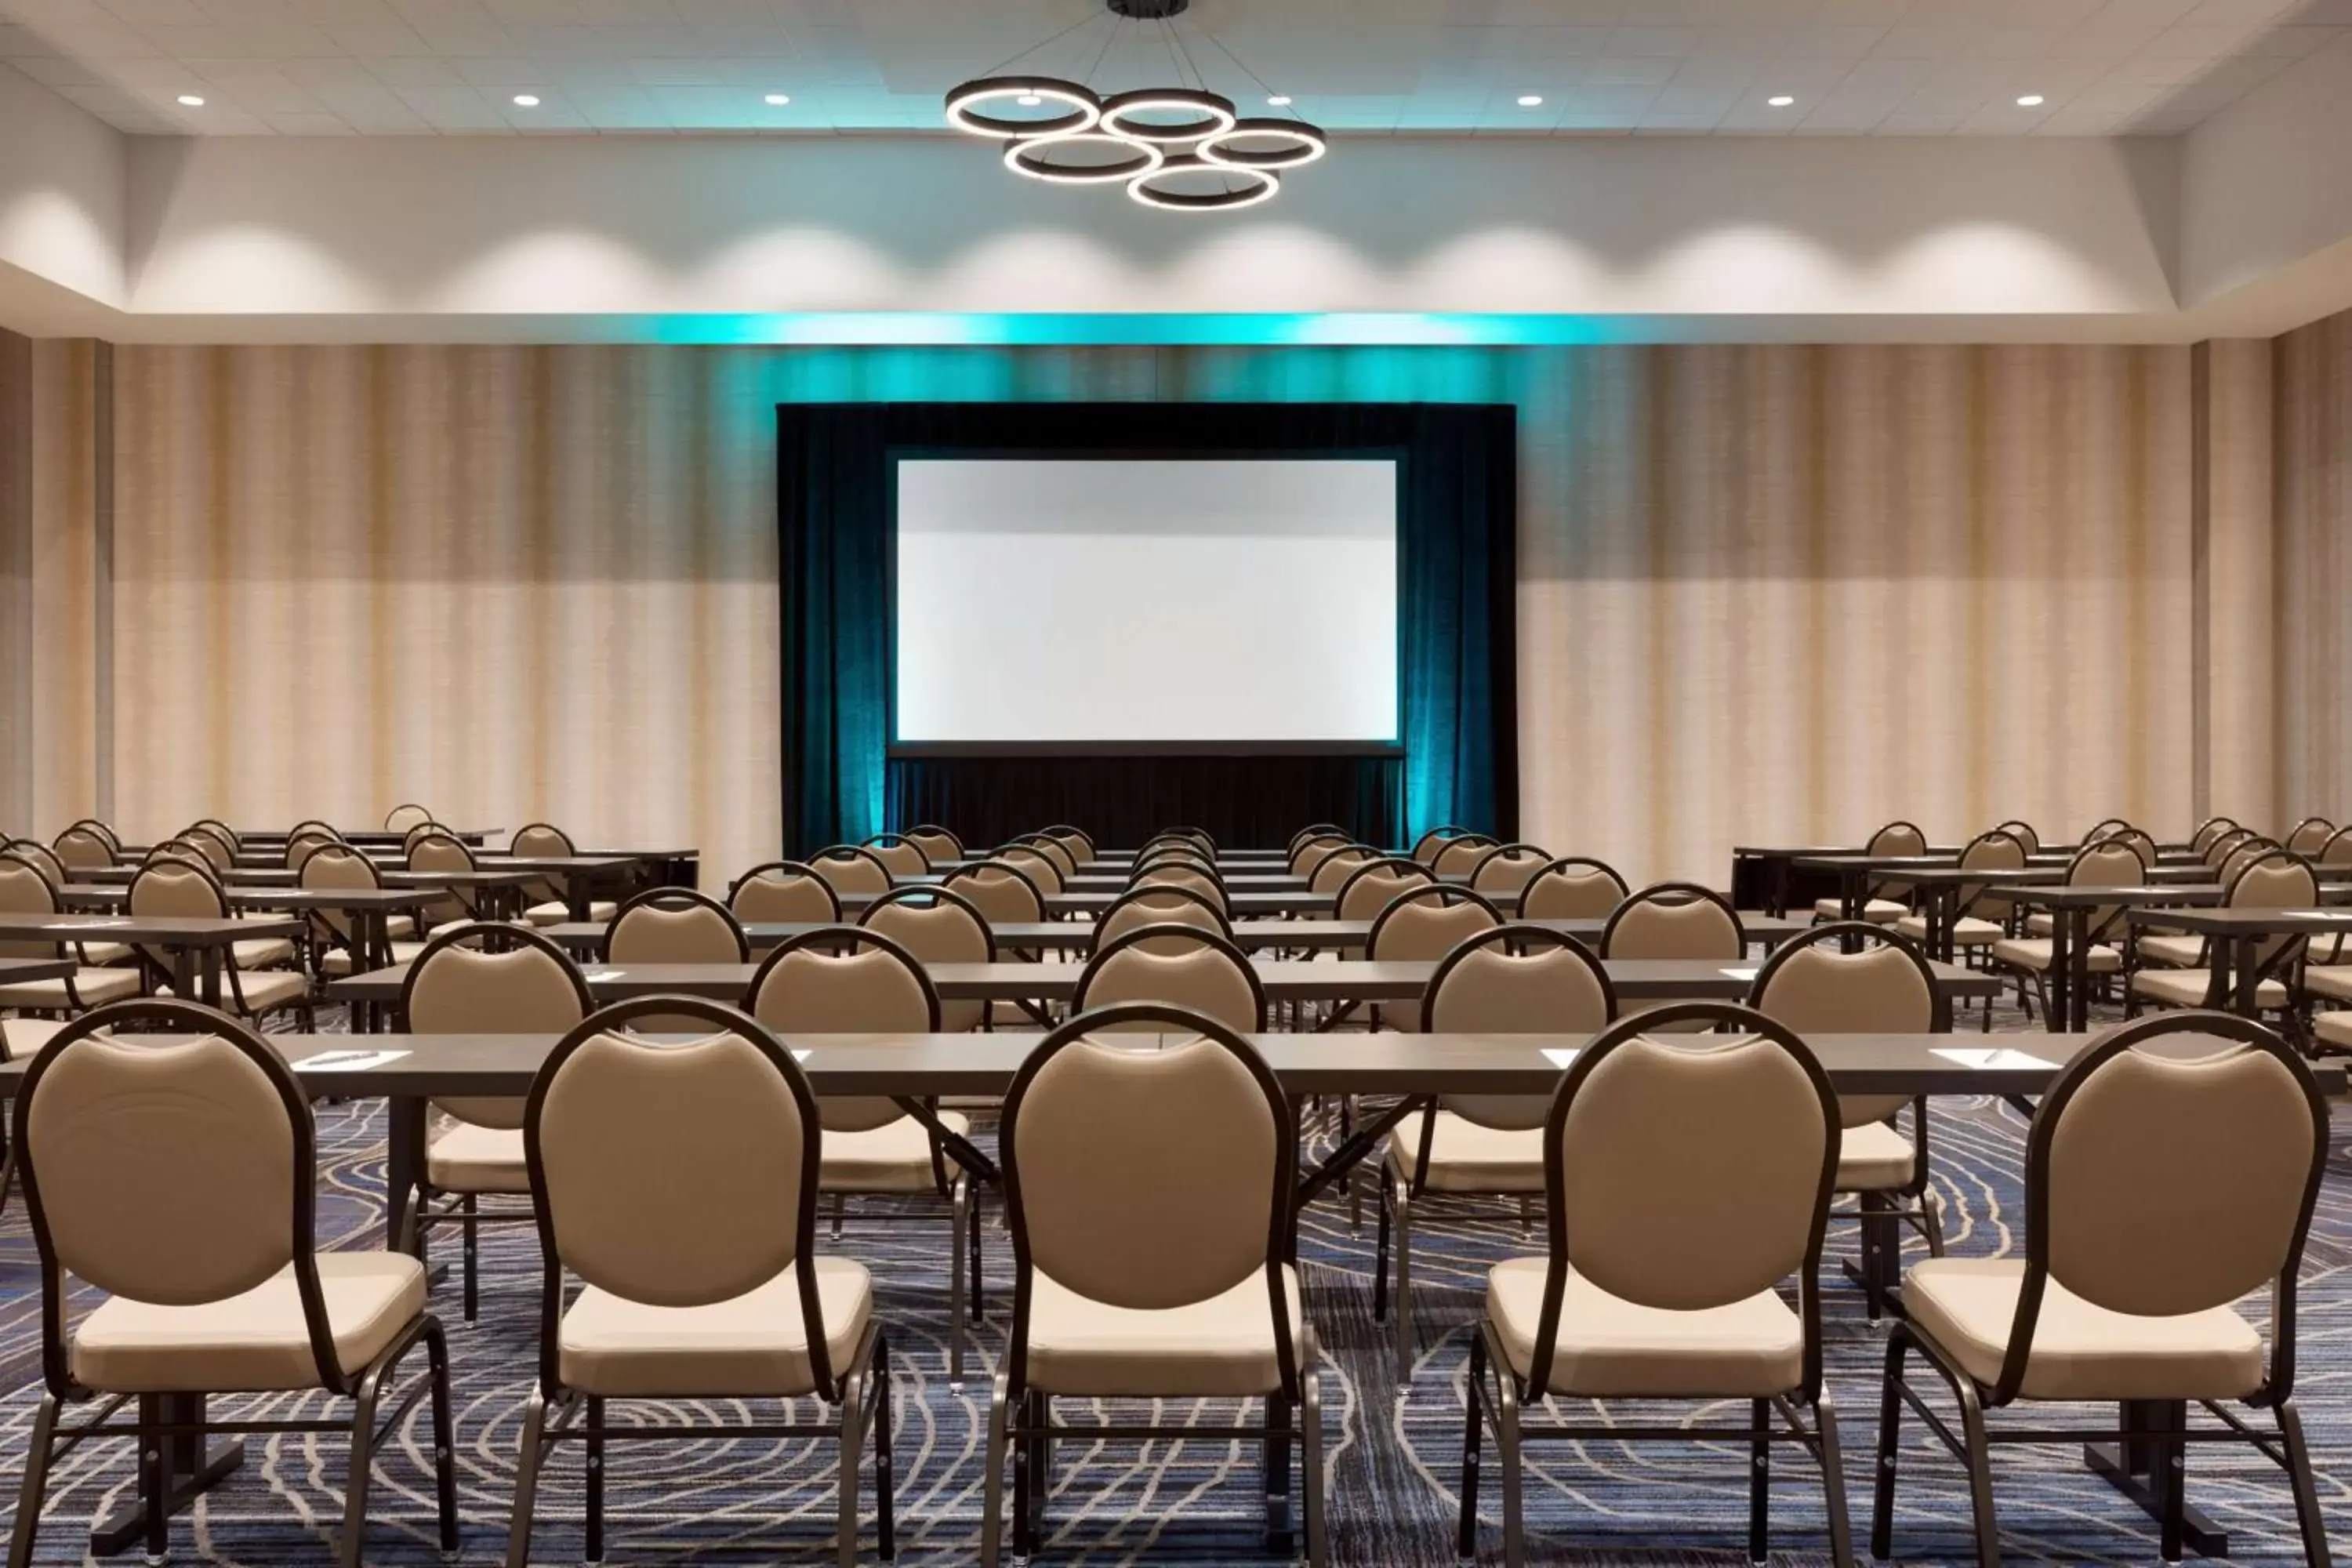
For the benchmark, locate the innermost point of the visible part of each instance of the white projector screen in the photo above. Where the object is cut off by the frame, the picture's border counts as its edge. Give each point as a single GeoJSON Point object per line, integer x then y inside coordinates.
{"type": "Point", "coordinates": [1047, 600]}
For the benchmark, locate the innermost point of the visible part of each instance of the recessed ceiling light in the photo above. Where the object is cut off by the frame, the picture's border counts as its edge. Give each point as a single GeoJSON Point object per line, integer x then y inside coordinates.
{"type": "Point", "coordinates": [778, 100]}
{"type": "Point", "coordinates": [2031, 100]}
{"type": "Point", "coordinates": [190, 101]}
{"type": "Point", "coordinates": [1280, 100]}
{"type": "Point", "coordinates": [1029, 100]}
{"type": "Point", "coordinates": [525, 100]}
{"type": "Point", "coordinates": [1530, 101]}
{"type": "Point", "coordinates": [1781, 100]}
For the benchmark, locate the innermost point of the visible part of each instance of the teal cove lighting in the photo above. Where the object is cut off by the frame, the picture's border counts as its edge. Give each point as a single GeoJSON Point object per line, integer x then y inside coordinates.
{"type": "Point", "coordinates": [1237, 329]}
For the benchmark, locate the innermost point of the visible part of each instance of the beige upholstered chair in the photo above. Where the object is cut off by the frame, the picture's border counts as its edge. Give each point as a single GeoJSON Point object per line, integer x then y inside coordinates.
{"type": "Point", "coordinates": [785, 893]}
{"type": "Point", "coordinates": [1190, 876]}
{"type": "Point", "coordinates": [340, 866]}
{"type": "Point", "coordinates": [2212, 828]}
{"type": "Point", "coordinates": [2274, 880]}
{"type": "Point", "coordinates": [1041, 867]}
{"type": "Point", "coordinates": [482, 979]}
{"type": "Point", "coordinates": [41, 858]}
{"type": "Point", "coordinates": [1507, 869]}
{"type": "Point", "coordinates": [1316, 830]}
{"type": "Point", "coordinates": [1573, 887]}
{"type": "Point", "coordinates": [1179, 965]}
{"type": "Point", "coordinates": [1161, 904]}
{"type": "Point", "coordinates": [1979, 920]}
{"type": "Point", "coordinates": [1730, 1143]}
{"type": "Point", "coordinates": [1310, 852]}
{"type": "Point", "coordinates": [2337, 850]}
{"type": "Point", "coordinates": [1366, 890]}
{"type": "Point", "coordinates": [401, 818]}
{"type": "Point", "coordinates": [301, 846]}
{"type": "Point", "coordinates": [901, 856]}
{"type": "Point", "coordinates": [81, 850]}
{"type": "Point", "coordinates": [2161, 1188]}
{"type": "Point", "coordinates": [2100, 832]}
{"type": "Point", "coordinates": [1673, 920]}
{"type": "Point", "coordinates": [857, 981]}
{"type": "Point", "coordinates": [2023, 832]}
{"type": "Point", "coordinates": [546, 901]}
{"type": "Point", "coordinates": [436, 849]}
{"type": "Point", "coordinates": [1145, 1271]}
{"type": "Point", "coordinates": [24, 891]}
{"type": "Point", "coordinates": [1185, 857]}
{"type": "Point", "coordinates": [1885, 987]}
{"type": "Point", "coordinates": [851, 869]}
{"type": "Point", "coordinates": [1064, 864]}
{"type": "Point", "coordinates": [935, 842]}
{"type": "Point", "coordinates": [1423, 923]}
{"type": "Point", "coordinates": [1457, 856]}
{"type": "Point", "coordinates": [256, 976]}
{"type": "Point", "coordinates": [676, 925]}
{"type": "Point", "coordinates": [181, 1180]}
{"type": "Point", "coordinates": [1431, 844]}
{"type": "Point", "coordinates": [1005, 894]}
{"type": "Point", "coordinates": [687, 1297]}
{"type": "Point", "coordinates": [219, 853]}
{"type": "Point", "coordinates": [2309, 836]}
{"type": "Point", "coordinates": [1888, 898]}
{"type": "Point", "coordinates": [937, 925]}
{"type": "Point", "coordinates": [114, 840]}
{"type": "Point", "coordinates": [1076, 840]}
{"type": "Point", "coordinates": [1510, 980]}
{"type": "Point", "coordinates": [2099, 865]}
{"type": "Point", "coordinates": [1338, 866]}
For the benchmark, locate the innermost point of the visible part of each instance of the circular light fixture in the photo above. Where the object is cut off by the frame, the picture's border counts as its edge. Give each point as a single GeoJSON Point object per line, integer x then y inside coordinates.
{"type": "Point", "coordinates": [190, 101]}
{"type": "Point", "coordinates": [1033, 157]}
{"type": "Point", "coordinates": [2031, 100]}
{"type": "Point", "coordinates": [778, 100]}
{"type": "Point", "coordinates": [1780, 100]}
{"type": "Point", "coordinates": [966, 107]}
{"type": "Point", "coordinates": [1145, 188]}
{"type": "Point", "coordinates": [1530, 101]}
{"type": "Point", "coordinates": [1304, 143]}
{"type": "Point", "coordinates": [1212, 114]}
{"type": "Point", "coordinates": [525, 100]}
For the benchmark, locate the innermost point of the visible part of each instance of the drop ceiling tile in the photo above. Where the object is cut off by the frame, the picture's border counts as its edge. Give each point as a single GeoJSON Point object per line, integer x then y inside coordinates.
{"type": "Point", "coordinates": [1670, 42]}
{"type": "Point", "coordinates": [385, 38]}
{"type": "Point", "coordinates": [312, 125]}
{"type": "Point", "coordinates": [51, 71]}
{"type": "Point", "coordinates": [404, 72]}
{"type": "Point", "coordinates": [1832, 42]}
{"type": "Point", "coordinates": [496, 74]}
{"type": "Point", "coordinates": [1617, 70]}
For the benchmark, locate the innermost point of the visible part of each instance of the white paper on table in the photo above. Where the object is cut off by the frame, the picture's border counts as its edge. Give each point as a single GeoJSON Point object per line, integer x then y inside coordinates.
{"type": "Point", "coordinates": [348, 1061]}
{"type": "Point", "coordinates": [1993, 1059]}
{"type": "Point", "coordinates": [1740, 974]}
{"type": "Point", "coordinates": [800, 1056]}
{"type": "Point", "coordinates": [1560, 1055]}
{"type": "Point", "coordinates": [601, 973]}
{"type": "Point", "coordinates": [88, 925]}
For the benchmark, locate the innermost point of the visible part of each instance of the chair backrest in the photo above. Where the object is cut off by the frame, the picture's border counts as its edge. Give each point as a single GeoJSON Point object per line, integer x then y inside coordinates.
{"type": "Point", "coordinates": [1161, 904]}
{"type": "Point", "coordinates": [81, 850]}
{"type": "Point", "coordinates": [172, 888]}
{"type": "Point", "coordinates": [624, 1197]}
{"type": "Point", "coordinates": [219, 830]}
{"type": "Point", "coordinates": [1456, 856]}
{"type": "Point", "coordinates": [104, 831]}
{"type": "Point", "coordinates": [2106, 864]}
{"type": "Point", "coordinates": [401, 818]}
{"type": "Point", "coordinates": [422, 830]}
{"type": "Point", "coordinates": [1316, 830]}
{"type": "Point", "coordinates": [1427, 922]}
{"type": "Point", "coordinates": [1367, 888]}
{"type": "Point", "coordinates": [1573, 887]}
{"type": "Point", "coordinates": [1897, 837]}
{"type": "Point", "coordinates": [1171, 855]}
{"type": "Point", "coordinates": [1430, 845]}
{"type": "Point", "coordinates": [851, 869]}
{"type": "Point", "coordinates": [1191, 876]}
{"type": "Point", "coordinates": [1730, 1143]}
{"type": "Point", "coordinates": [2142, 843]}
{"type": "Point", "coordinates": [1335, 868]}
{"type": "Point", "coordinates": [2277, 879]}
{"type": "Point", "coordinates": [541, 839]}
{"type": "Point", "coordinates": [901, 856]}
{"type": "Point", "coordinates": [1309, 852]}
{"type": "Point", "coordinates": [2337, 850]}
{"type": "Point", "coordinates": [2308, 835]}
{"type": "Point", "coordinates": [24, 891]}
{"type": "Point", "coordinates": [1181, 965]}
{"type": "Point", "coordinates": [937, 925]}
{"type": "Point", "coordinates": [1065, 865]}
{"type": "Point", "coordinates": [2159, 1184]}
{"type": "Point", "coordinates": [217, 851]}
{"type": "Point", "coordinates": [180, 1175]}
{"type": "Point", "coordinates": [1513, 980]}
{"type": "Point", "coordinates": [1005, 894]}
{"type": "Point", "coordinates": [785, 893]}
{"type": "Point", "coordinates": [847, 981]}
{"type": "Point", "coordinates": [1106, 1190]}
{"type": "Point", "coordinates": [301, 846]}
{"type": "Point", "coordinates": [935, 842]}
{"type": "Point", "coordinates": [675, 925]}
{"type": "Point", "coordinates": [337, 866]}
{"type": "Point", "coordinates": [2210, 829]}
{"type": "Point", "coordinates": [2023, 832]}
{"type": "Point", "coordinates": [1507, 867]}
{"type": "Point", "coordinates": [316, 824]}
{"type": "Point", "coordinates": [436, 851]}
{"type": "Point", "coordinates": [2218, 848]}
{"type": "Point", "coordinates": [2248, 851]}
{"type": "Point", "coordinates": [181, 850]}
{"type": "Point", "coordinates": [1075, 841]}
{"type": "Point", "coordinates": [1673, 920]}
{"type": "Point", "coordinates": [35, 853]}
{"type": "Point", "coordinates": [2102, 831]}
{"type": "Point", "coordinates": [1042, 867]}
{"type": "Point", "coordinates": [459, 985]}
{"type": "Point", "coordinates": [1884, 988]}
{"type": "Point", "coordinates": [1997, 850]}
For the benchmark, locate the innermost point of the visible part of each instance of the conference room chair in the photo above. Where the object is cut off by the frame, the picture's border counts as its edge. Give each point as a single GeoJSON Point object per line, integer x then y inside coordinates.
{"type": "Point", "coordinates": [685, 1300]}
{"type": "Point", "coordinates": [401, 818]}
{"type": "Point", "coordinates": [899, 854]}
{"type": "Point", "coordinates": [675, 925]}
{"type": "Point", "coordinates": [545, 901]}
{"type": "Point", "coordinates": [2023, 832]}
{"type": "Point", "coordinates": [1572, 888]}
{"type": "Point", "coordinates": [1003, 893]}
{"type": "Point", "coordinates": [2160, 1190]}
{"type": "Point", "coordinates": [1510, 980]}
{"type": "Point", "coordinates": [1065, 865]}
{"type": "Point", "coordinates": [178, 849]}
{"type": "Point", "coordinates": [1369, 885]}
{"type": "Point", "coordinates": [1077, 841]}
{"type": "Point", "coordinates": [1673, 920]}
{"type": "Point", "coordinates": [2101, 831]}
{"type": "Point", "coordinates": [1335, 868]}
{"type": "Point", "coordinates": [1143, 1270]}
{"type": "Point", "coordinates": [937, 925]}
{"type": "Point", "coordinates": [80, 848]}
{"type": "Point", "coordinates": [1173, 849]}
{"type": "Point", "coordinates": [1186, 862]}
{"type": "Point", "coordinates": [481, 978]}
{"type": "Point", "coordinates": [1423, 924]}
{"type": "Point", "coordinates": [1187, 874]}
{"type": "Point", "coordinates": [852, 980]}
{"type": "Point", "coordinates": [300, 846]}
{"type": "Point", "coordinates": [219, 830]}
{"type": "Point", "coordinates": [1507, 867]}
{"type": "Point", "coordinates": [24, 890]}
{"type": "Point", "coordinates": [422, 830]}
{"type": "Point", "coordinates": [334, 933]}
{"type": "Point", "coordinates": [316, 824]}
{"type": "Point", "coordinates": [2218, 850]}
{"type": "Point", "coordinates": [1042, 867]}
{"type": "Point", "coordinates": [1308, 853]}
{"type": "Point", "coordinates": [2043, 923]}
{"type": "Point", "coordinates": [257, 975]}
{"type": "Point", "coordinates": [182, 1181]}
{"type": "Point", "coordinates": [1978, 920]}
{"type": "Point", "coordinates": [103, 830]}
{"type": "Point", "coordinates": [1888, 898]}
{"type": "Point", "coordinates": [2212, 828]}
{"type": "Point", "coordinates": [786, 893]}
{"type": "Point", "coordinates": [2275, 879]}
{"type": "Point", "coordinates": [851, 869]}
{"type": "Point", "coordinates": [1161, 904]}
{"type": "Point", "coordinates": [1182, 964]}
{"type": "Point", "coordinates": [1456, 856]}
{"type": "Point", "coordinates": [1431, 844]}
{"type": "Point", "coordinates": [2306, 837]}
{"type": "Point", "coordinates": [935, 842]}
{"type": "Point", "coordinates": [44, 860]}
{"type": "Point", "coordinates": [434, 849]}
{"type": "Point", "coordinates": [1731, 1145]}
{"type": "Point", "coordinates": [1196, 836]}
{"type": "Point", "coordinates": [1884, 988]}
{"type": "Point", "coordinates": [218, 852]}
{"type": "Point", "coordinates": [2103, 864]}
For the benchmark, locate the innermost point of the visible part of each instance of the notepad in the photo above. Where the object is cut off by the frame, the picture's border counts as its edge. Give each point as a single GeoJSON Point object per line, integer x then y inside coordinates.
{"type": "Point", "coordinates": [348, 1061]}
{"type": "Point", "coordinates": [1994, 1059]}
{"type": "Point", "coordinates": [601, 973]}
{"type": "Point", "coordinates": [1560, 1056]}
{"type": "Point", "coordinates": [1739, 974]}
{"type": "Point", "coordinates": [801, 1055]}
{"type": "Point", "coordinates": [87, 924]}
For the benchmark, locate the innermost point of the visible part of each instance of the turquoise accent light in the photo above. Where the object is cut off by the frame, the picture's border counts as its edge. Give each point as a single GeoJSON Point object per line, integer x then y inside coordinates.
{"type": "Point", "coordinates": [849, 329]}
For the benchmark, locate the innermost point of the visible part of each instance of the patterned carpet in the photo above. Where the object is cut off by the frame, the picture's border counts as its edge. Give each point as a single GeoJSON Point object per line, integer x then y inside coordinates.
{"type": "Point", "coordinates": [1395, 1460]}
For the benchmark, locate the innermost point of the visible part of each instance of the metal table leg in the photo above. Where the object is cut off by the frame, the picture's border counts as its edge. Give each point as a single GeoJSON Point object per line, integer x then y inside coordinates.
{"type": "Point", "coordinates": [191, 1467]}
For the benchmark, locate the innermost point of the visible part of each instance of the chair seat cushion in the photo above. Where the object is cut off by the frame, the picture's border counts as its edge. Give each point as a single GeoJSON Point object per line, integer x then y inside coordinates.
{"type": "Point", "coordinates": [339, 960]}
{"type": "Point", "coordinates": [2334, 1029]}
{"type": "Point", "coordinates": [262, 990]}
{"type": "Point", "coordinates": [556, 912]}
{"type": "Point", "coordinates": [1222, 1346]}
{"type": "Point", "coordinates": [895, 1157]}
{"type": "Point", "coordinates": [103, 952]}
{"type": "Point", "coordinates": [754, 1345]}
{"type": "Point", "coordinates": [1966, 930]}
{"type": "Point", "coordinates": [92, 985]}
{"type": "Point", "coordinates": [24, 1038]}
{"type": "Point", "coordinates": [2180, 951]}
{"type": "Point", "coordinates": [2187, 987]}
{"type": "Point", "coordinates": [1875, 1158]}
{"type": "Point", "coordinates": [2033, 954]}
{"type": "Point", "coordinates": [2333, 982]}
{"type": "Point", "coordinates": [396, 926]}
{"type": "Point", "coordinates": [1881, 909]}
{"type": "Point", "coordinates": [1607, 1346]}
{"type": "Point", "coordinates": [1966, 1305]}
{"type": "Point", "coordinates": [1464, 1157]}
{"type": "Point", "coordinates": [468, 1159]}
{"type": "Point", "coordinates": [2041, 924]}
{"type": "Point", "coordinates": [263, 952]}
{"type": "Point", "coordinates": [251, 1342]}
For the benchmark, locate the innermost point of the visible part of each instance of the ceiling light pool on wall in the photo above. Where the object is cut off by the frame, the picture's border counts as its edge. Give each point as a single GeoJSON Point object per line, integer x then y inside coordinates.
{"type": "Point", "coordinates": [1180, 148]}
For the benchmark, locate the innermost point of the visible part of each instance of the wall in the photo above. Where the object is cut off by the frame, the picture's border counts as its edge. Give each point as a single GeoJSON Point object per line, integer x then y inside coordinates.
{"type": "Point", "coordinates": [62, 205]}
{"type": "Point", "coordinates": [2314, 508]}
{"type": "Point", "coordinates": [1769, 593]}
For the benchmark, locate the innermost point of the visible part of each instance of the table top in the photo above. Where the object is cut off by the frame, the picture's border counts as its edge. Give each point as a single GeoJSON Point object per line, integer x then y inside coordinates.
{"type": "Point", "coordinates": [158, 931]}
{"type": "Point", "coordinates": [17, 971]}
{"type": "Point", "coordinates": [2060, 896]}
{"type": "Point", "coordinates": [97, 896]}
{"type": "Point", "coordinates": [506, 875]}
{"type": "Point", "coordinates": [1384, 1063]}
{"type": "Point", "coordinates": [2245, 923]}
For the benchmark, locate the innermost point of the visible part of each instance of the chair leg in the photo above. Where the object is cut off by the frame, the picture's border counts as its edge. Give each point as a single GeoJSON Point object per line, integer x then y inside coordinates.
{"type": "Point", "coordinates": [1890, 1420]}
{"type": "Point", "coordinates": [1381, 1254]}
{"type": "Point", "coordinates": [1931, 1216]}
{"type": "Point", "coordinates": [1465, 1529]}
{"type": "Point", "coordinates": [991, 1478]}
{"type": "Point", "coordinates": [976, 1285]}
{"type": "Point", "coordinates": [1760, 1479]}
{"type": "Point", "coordinates": [1825, 1427]}
{"type": "Point", "coordinates": [1402, 1200]}
{"type": "Point", "coordinates": [853, 1434]}
{"type": "Point", "coordinates": [37, 1481]}
{"type": "Point", "coordinates": [1507, 1450]}
{"type": "Point", "coordinates": [1980, 1461]}
{"type": "Point", "coordinates": [886, 1524]}
{"type": "Point", "coordinates": [959, 1205]}
{"type": "Point", "coordinates": [155, 1476]}
{"type": "Point", "coordinates": [592, 1419]}
{"type": "Point", "coordinates": [444, 1439]}
{"type": "Point", "coordinates": [1310, 1455]}
{"type": "Point", "coordinates": [471, 1229]}
{"type": "Point", "coordinates": [362, 1466]}
{"type": "Point", "coordinates": [534, 1442]}
{"type": "Point", "coordinates": [2298, 1471]}
{"type": "Point", "coordinates": [2172, 1480]}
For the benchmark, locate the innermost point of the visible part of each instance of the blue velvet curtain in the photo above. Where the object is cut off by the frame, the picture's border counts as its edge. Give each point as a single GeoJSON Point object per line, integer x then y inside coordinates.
{"type": "Point", "coordinates": [1457, 527]}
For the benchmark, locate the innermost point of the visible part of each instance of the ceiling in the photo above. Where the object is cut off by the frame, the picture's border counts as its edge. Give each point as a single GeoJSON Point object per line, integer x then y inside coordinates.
{"type": "Point", "coordinates": [392, 67]}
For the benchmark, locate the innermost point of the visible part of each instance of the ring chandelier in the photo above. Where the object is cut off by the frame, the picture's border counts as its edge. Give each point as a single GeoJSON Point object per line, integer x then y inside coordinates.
{"type": "Point", "coordinates": [1179, 149]}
